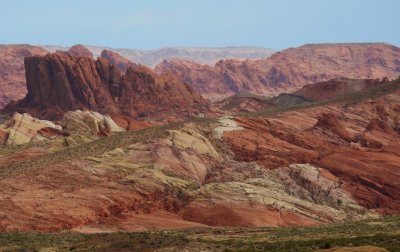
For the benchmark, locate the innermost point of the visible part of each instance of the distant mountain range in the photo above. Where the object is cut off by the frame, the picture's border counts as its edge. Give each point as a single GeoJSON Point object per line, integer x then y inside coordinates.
{"type": "Point", "coordinates": [284, 71]}
{"type": "Point", "coordinates": [201, 55]}
{"type": "Point", "coordinates": [288, 70]}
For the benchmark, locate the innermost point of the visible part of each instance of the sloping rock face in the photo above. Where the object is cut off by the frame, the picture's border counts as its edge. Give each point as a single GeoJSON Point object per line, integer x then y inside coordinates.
{"type": "Point", "coordinates": [77, 51]}
{"type": "Point", "coordinates": [337, 87]}
{"type": "Point", "coordinates": [89, 122]}
{"type": "Point", "coordinates": [58, 83]}
{"type": "Point", "coordinates": [358, 144]}
{"type": "Point", "coordinates": [12, 76]}
{"type": "Point", "coordinates": [23, 128]}
{"type": "Point", "coordinates": [114, 58]}
{"type": "Point", "coordinates": [179, 180]}
{"type": "Point", "coordinates": [80, 51]}
{"type": "Point", "coordinates": [329, 122]}
{"type": "Point", "coordinates": [322, 164]}
{"type": "Point", "coordinates": [288, 70]}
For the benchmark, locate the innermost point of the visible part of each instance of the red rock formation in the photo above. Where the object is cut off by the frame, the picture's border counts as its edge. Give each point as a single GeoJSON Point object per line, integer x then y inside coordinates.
{"type": "Point", "coordinates": [337, 87]}
{"type": "Point", "coordinates": [331, 123]}
{"type": "Point", "coordinates": [290, 69]}
{"type": "Point", "coordinates": [49, 132]}
{"type": "Point", "coordinates": [363, 153]}
{"type": "Point", "coordinates": [114, 58]}
{"type": "Point", "coordinates": [12, 77]}
{"type": "Point", "coordinates": [77, 51]}
{"type": "Point", "coordinates": [3, 137]}
{"type": "Point", "coordinates": [58, 83]}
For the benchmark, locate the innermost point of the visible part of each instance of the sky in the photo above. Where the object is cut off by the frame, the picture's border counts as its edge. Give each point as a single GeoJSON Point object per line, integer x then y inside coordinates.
{"type": "Point", "coordinates": [151, 24]}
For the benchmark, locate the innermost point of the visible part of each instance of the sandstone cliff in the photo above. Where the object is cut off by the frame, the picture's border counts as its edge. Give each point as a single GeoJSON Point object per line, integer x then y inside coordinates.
{"type": "Point", "coordinates": [289, 70]}
{"type": "Point", "coordinates": [58, 83]}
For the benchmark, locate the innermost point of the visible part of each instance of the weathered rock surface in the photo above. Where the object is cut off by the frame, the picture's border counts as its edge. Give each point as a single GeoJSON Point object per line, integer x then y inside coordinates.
{"type": "Point", "coordinates": [337, 88]}
{"type": "Point", "coordinates": [77, 51]}
{"type": "Point", "coordinates": [357, 143]}
{"type": "Point", "coordinates": [57, 84]}
{"type": "Point", "coordinates": [288, 70]}
{"type": "Point", "coordinates": [23, 128]}
{"type": "Point", "coordinates": [324, 164]}
{"type": "Point", "coordinates": [12, 71]}
{"type": "Point", "coordinates": [114, 58]}
{"type": "Point", "coordinates": [180, 180]}
{"type": "Point", "coordinates": [89, 122]}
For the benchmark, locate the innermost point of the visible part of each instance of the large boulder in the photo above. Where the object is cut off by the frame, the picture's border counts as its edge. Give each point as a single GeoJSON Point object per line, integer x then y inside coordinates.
{"type": "Point", "coordinates": [89, 122]}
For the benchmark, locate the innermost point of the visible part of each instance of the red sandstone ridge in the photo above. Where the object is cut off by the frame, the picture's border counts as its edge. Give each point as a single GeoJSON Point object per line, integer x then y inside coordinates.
{"type": "Point", "coordinates": [77, 51]}
{"type": "Point", "coordinates": [329, 122]}
{"type": "Point", "coordinates": [12, 78]}
{"type": "Point", "coordinates": [55, 86]}
{"type": "Point", "coordinates": [337, 87]}
{"type": "Point", "coordinates": [289, 70]}
{"type": "Point", "coordinates": [359, 144]}
{"type": "Point", "coordinates": [114, 58]}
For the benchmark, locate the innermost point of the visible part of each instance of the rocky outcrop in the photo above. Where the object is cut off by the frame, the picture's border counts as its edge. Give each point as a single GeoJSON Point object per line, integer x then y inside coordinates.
{"type": "Point", "coordinates": [57, 84]}
{"type": "Point", "coordinates": [12, 71]}
{"type": "Point", "coordinates": [358, 144]}
{"type": "Point", "coordinates": [337, 87]}
{"type": "Point", "coordinates": [178, 180]}
{"type": "Point", "coordinates": [293, 168]}
{"type": "Point", "coordinates": [77, 51]}
{"type": "Point", "coordinates": [329, 122]}
{"type": "Point", "coordinates": [23, 128]}
{"type": "Point", "coordinates": [88, 122]}
{"type": "Point", "coordinates": [288, 70]}
{"type": "Point", "coordinates": [114, 58]}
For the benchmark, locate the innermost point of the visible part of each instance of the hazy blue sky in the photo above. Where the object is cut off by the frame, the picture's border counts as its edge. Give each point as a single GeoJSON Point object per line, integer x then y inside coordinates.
{"type": "Point", "coordinates": [148, 24]}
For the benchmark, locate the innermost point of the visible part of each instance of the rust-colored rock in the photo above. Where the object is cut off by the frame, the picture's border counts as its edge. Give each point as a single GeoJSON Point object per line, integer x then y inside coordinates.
{"type": "Point", "coordinates": [363, 153]}
{"type": "Point", "coordinates": [3, 137]}
{"type": "Point", "coordinates": [289, 70]}
{"type": "Point", "coordinates": [116, 59]}
{"type": "Point", "coordinates": [49, 133]}
{"type": "Point", "coordinates": [12, 71]}
{"type": "Point", "coordinates": [58, 83]}
{"type": "Point", "coordinates": [77, 51]}
{"type": "Point", "coordinates": [337, 87]}
{"type": "Point", "coordinates": [331, 123]}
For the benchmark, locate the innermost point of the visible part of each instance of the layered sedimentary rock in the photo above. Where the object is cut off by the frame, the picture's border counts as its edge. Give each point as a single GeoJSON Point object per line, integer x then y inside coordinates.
{"type": "Point", "coordinates": [89, 122]}
{"type": "Point", "coordinates": [288, 70]}
{"type": "Point", "coordinates": [332, 162]}
{"type": "Point", "coordinates": [359, 144]}
{"type": "Point", "coordinates": [179, 180]}
{"type": "Point", "coordinates": [58, 83]}
{"type": "Point", "coordinates": [22, 128]}
{"type": "Point", "coordinates": [12, 71]}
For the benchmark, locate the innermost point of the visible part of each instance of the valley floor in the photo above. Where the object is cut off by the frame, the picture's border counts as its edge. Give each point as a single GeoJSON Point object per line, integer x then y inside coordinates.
{"type": "Point", "coordinates": [382, 234]}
